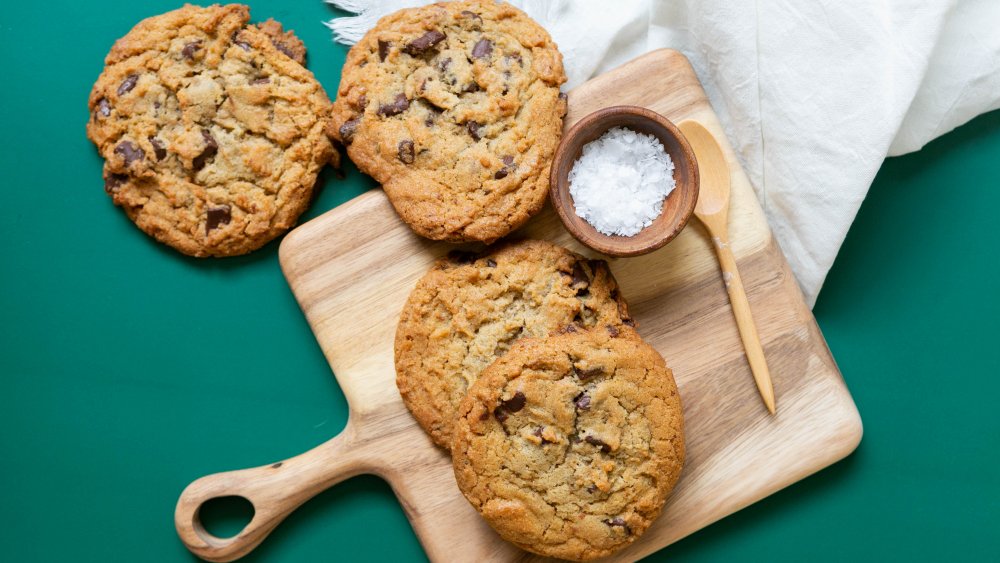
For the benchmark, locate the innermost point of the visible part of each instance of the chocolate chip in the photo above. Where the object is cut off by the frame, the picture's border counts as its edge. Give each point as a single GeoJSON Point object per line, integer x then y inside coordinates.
{"type": "Point", "coordinates": [113, 182]}
{"type": "Point", "coordinates": [473, 128]}
{"type": "Point", "coordinates": [129, 152]}
{"type": "Point", "coordinates": [483, 49]}
{"type": "Point", "coordinates": [628, 322]}
{"type": "Point", "coordinates": [405, 151]}
{"type": "Point", "coordinates": [348, 128]}
{"type": "Point", "coordinates": [617, 521]}
{"type": "Point", "coordinates": [362, 102]}
{"type": "Point", "coordinates": [462, 257]}
{"type": "Point", "coordinates": [491, 263]}
{"type": "Point", "coordinates": [259, 81]}
{"type": "Point", "coordinates": [563, 96]}
{"type": "Point", "coordinates": [568, 328]}
{"type": "Point", "coordinates": [277, 465]}
{"type": "Point", "coordinates": [159, 151]}
{"type": "Point", "coordinates": [613, 331]}
{"type": "Point", "coordinates": [444, 63]}
{"type": "Point", "coordinates": [485, 416]}
{"type": "Point", "coordinates": [217, 215]}
{"type": "Point", "coordinates": [190, 49]}
{"type": "Point", "coordinates": [591, 488]}
{"type": "Point", "coordinates": [211, 149]}
{"type": "Point", "coordinates": [103, 107]}
{"type": "Point", "coordinates": [383, 49]}
{"type": "Point", "coordinates": [473, 15]}
{"type": "Point", "coordinates": [472, 87]}
{"type": "Point", "coordinates": [597, 442]}
{"type": "Point", "coordinates": [128, 84]}
{"type": "Point", "coordinates": [500, 414]}
{"type": "Point", "coordinates": [508, 167]}
{"type": "Point", "coordinates": [514, 403]}
{"type": "Point", "coordinates": [514, 57]}
{"type": "Point", "coordinates": [424, 43]}
{"type": "Point", "coordinates": [398, 106]}
{"type": "Point", "coordinates": [582, 401]}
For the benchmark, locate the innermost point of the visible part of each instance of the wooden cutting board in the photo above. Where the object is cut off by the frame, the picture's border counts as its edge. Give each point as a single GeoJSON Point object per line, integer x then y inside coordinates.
{"type": "Point", "coordinates": [352, 269]}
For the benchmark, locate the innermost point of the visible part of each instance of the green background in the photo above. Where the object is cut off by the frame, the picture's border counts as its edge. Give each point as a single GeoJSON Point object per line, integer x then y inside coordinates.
{"type": "Point", "coordinates": [128, 370]}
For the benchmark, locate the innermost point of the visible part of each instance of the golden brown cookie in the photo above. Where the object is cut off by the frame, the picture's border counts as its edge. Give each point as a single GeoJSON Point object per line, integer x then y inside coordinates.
{"type": "Point", "coordinates": [455, 109]}
{"type": "Point", "coordinates": [467, 310]}
{"type": "Point", "coordinates": [211, 129]}
{"type": "Point", "coordinates": [570, 445]}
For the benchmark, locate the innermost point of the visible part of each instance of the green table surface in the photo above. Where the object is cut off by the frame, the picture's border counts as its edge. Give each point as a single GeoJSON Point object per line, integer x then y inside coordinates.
{"type": "Point", "coordinates": [128, 370]}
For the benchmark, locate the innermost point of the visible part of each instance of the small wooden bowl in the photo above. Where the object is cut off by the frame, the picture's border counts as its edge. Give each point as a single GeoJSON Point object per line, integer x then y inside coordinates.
{"type": "Point", "coordinates": [678, 206]}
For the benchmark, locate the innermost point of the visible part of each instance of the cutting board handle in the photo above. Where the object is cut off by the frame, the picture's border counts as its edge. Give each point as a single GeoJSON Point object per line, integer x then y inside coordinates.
{"type": "Point", "coordinates": [274, 490]}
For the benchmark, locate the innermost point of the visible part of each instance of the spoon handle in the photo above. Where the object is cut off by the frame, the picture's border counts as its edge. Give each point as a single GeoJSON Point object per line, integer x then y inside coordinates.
{"type": "Point", "coordinates": [744, 319]}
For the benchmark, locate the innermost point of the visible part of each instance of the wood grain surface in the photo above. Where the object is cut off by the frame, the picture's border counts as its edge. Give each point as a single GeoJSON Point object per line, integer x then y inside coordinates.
{"type": "Point", "coordinates": [352, 269]}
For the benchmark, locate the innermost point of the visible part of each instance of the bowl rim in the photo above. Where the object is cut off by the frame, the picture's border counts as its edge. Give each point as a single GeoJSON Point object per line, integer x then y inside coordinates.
{"type": "Point", "coordinates": [611, 245]}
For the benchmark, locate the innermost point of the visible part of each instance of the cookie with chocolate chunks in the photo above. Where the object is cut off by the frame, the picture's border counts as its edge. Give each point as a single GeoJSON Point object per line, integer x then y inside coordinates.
{"type": "Point", "coordinates": [469, 309]}
{"type": "Point", "coordinates": [570, 445]}
{"type": "Point", "coordinates": [212, 130]}
{"type": "Point", "coordinates": [455, 109]}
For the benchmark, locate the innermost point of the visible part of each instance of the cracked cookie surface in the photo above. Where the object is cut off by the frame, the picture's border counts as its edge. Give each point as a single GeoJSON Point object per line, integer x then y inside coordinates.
{"type": "Point", "coordinates": [570, 445]}
{"type": "Point", "coordinates": [212, 131]}
{"type": "Point", "coordinates": [469, 309]}
{"type": "Point", "coordinates": [455, 109]}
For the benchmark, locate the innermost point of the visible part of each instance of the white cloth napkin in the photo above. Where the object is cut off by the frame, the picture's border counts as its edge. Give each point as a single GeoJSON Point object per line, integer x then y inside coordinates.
{"type": "Point", "coordinates": [813, 94]}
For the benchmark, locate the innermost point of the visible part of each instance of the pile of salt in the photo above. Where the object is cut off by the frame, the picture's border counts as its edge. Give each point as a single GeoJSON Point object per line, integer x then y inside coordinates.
{"type": "Point", "coordinates": [620, 181]}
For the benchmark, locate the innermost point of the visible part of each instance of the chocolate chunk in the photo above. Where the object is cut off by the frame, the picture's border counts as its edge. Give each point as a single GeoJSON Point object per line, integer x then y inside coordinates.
{"type": "Point", "coordinates": [236, 41]}
{"type": "Point", "coordinates": [473, 128]}
{"type": "Point", "coordinates": [159, 150]}
{"type": "Point", "coordinates": [462, 257]}
{"type": "Point", "coordinates": [190, 49]}
{"type": "Point", "coordinates": [383, 49]}
{"type": "Point", "coordinates": [348, 128]}
{"type": "Point", "coordinates": [589, 372]}
{"type": "Point", "coordinates": [500, 414]}
{"type": "Point", "coordinates": [113, 182]}
{"type": "Point", "coordinates": [284, 49]}
{"type": "Point", "coordinates": [617, 521]}
{"type": "Point", "coordinates": [424, 43]}
{"type": "Point", "coordinates": [491, 263]}
{"type": "Point", "coordinates": [398, 106]}
{"type": "Point", "coordinates": [613, 331]}
{"type": "Point", "coordinates": [405, 151]}
{"type": "Point", "coordinates": [473, 15]}
{"type": "Point", "coordinates": [538, 434]}
{"type": "Point", "coordinates": [211, 149]}
{"type": "Point", "coordinates": [514, 403]}
{"type": "Point", "coordinates": [129, 152]}
{"type": "Point", "coordinates": [597, 442]}
{"type": "Point", "coordinates": [217, 215]}
{"type": "Point", "coordinates": [259, 81]}
{"type": "Point", "coordinates": [128, 84]}
{"type": "Point", "coordinates": [103, 107]}
{"type": "Point", "coordinates": [582, 401]}
{"type": "Point", "coordinates": [580, 278]}
{"type": "Point", "coordinates": [483, 49]}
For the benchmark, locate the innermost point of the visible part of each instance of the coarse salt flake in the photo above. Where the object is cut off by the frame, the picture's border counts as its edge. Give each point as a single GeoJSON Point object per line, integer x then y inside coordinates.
{"type": "Point", "coordinates": [620, 181]}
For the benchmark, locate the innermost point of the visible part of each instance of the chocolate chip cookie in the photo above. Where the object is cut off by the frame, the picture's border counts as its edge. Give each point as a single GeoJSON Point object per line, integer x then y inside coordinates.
{"type": "Point", "coordinates": [455, 109]}
{"type": "Point", "coordinates": [469, 309]}
{"type": "Point", "coordinates": [570, 445]}
{"type": "Point", "coordinates": [211, 129]}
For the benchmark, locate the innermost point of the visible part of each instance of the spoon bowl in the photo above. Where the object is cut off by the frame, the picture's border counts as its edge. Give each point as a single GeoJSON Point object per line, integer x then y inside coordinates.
{"type": "Point", "coordinates": [677, 207]}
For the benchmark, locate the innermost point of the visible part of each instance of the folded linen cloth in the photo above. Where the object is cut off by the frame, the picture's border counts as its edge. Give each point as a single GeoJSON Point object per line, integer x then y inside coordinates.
{"type": "Point", "coordinates": [813, 94]}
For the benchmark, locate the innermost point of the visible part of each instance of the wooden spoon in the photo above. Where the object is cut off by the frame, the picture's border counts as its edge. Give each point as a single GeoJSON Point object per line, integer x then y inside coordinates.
{"type": "Point", "coordinates": [712, 210]}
